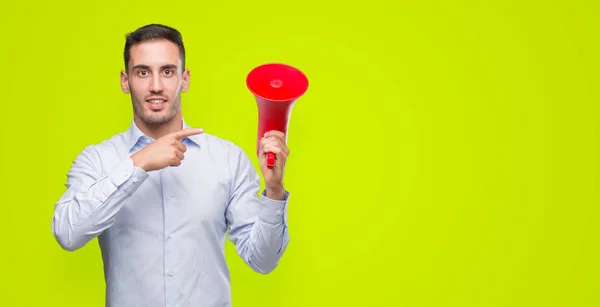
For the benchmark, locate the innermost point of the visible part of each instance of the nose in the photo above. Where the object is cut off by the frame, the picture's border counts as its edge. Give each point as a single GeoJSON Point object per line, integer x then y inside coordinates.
{"type": "Point", "coordinates": [156, 84]}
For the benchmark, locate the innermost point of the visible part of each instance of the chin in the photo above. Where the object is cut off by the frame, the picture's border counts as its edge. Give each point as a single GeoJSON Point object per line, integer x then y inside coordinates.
{"type": "Point", "coordinates": [158, 117]}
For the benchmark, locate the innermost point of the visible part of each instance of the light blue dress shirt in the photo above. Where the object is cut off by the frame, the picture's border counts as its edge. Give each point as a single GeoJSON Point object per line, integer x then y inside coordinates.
{"type": "Point", "coordinates": [162, 233]}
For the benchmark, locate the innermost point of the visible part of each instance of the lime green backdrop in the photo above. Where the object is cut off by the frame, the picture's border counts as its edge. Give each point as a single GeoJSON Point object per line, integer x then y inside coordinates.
{"type": "Point", "coordinates": [445, 154]}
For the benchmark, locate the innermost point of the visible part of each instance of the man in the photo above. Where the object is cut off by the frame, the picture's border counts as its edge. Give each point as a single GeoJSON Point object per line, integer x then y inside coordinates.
{"type": "Point", "coordinates": [162, 197]}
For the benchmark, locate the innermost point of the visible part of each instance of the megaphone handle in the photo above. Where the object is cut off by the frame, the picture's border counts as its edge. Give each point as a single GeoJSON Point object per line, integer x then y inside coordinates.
{"type": "Point", "coordinates": [270, 159]}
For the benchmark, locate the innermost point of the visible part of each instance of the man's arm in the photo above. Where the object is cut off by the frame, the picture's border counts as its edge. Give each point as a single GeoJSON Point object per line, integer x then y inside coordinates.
{"type": "Point", "coordinates": [92, 200]}
{"type": "Point", "coordinates": [258, 226]}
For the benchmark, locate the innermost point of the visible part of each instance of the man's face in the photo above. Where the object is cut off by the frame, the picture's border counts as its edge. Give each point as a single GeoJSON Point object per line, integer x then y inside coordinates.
{"type": "Point", "coordinates": [155, 80]}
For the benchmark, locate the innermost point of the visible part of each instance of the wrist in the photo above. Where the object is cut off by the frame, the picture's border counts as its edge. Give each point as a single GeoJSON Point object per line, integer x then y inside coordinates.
{"type": "Point", "coordinates": [138, 162]}
{"type": "Point", "coordinates": [275, 193]}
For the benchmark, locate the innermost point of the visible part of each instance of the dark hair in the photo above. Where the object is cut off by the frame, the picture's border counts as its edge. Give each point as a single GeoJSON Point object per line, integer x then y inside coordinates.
{"type": "Point", "coordinates": [153, 32]}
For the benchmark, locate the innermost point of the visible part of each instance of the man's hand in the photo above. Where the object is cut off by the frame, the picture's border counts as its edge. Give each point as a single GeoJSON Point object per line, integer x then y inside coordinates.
{"type": "Point", "coordinates": [166, 151]}
{"type": "Point", "coordinates": [274, 141]}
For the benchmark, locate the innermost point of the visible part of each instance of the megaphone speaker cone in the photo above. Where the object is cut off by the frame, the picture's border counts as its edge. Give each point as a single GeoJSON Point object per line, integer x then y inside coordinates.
{"type": "Point", "coordinates": [277, 82]}
{"type": "Point", "coordinates": [276, 87]}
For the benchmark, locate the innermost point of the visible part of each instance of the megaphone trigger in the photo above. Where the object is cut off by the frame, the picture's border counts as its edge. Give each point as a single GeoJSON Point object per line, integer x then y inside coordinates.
{"type": "Point", "coordinates": [270, 160]}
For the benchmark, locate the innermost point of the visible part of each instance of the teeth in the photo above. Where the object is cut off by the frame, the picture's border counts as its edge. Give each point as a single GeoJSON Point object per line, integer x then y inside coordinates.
{"type": "Point", "coordinates": [159, 101]}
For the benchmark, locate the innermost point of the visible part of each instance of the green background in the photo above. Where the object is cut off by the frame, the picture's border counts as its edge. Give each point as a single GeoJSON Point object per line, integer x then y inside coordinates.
{"type": "Point", "coordinates": [445, 154]}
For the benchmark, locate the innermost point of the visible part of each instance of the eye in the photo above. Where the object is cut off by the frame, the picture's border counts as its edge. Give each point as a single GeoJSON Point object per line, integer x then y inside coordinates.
{"type": "Point", "coordinates": [168, 72]}
{"type": "Point", "coordinates": [143, 73]}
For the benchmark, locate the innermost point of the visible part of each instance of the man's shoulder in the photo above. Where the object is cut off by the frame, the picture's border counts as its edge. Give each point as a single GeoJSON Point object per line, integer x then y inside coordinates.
{"type": "Point", "coordinates": [219, 143]}
{"type": "Point", "coordinates": [227, 150]}
{"type": "Point", "coordinates": [117, 140]}
{"type": "Point", "coordinates": [112, 145]}
{"type": "Point", "coordinates": [226, 153]}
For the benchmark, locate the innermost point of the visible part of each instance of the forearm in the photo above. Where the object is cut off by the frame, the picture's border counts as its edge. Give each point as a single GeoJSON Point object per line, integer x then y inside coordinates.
{"type": "Point", "coordinates": [85, 211]}
{"type": "Point", "coordinates": [268, 237]}
{"type": "Point", "coordinates": [258, 224]}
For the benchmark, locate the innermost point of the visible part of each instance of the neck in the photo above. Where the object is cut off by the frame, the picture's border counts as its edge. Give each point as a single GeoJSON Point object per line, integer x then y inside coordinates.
{"type": "Point", "coordinates": [157, 131]}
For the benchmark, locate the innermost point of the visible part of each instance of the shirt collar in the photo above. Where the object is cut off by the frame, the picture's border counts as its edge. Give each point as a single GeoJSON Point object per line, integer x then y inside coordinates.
{"type": "Point", "coordinates": [136, 135]}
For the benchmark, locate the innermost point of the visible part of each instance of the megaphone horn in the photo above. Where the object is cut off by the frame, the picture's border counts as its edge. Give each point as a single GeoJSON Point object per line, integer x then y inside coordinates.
{"type": "Point", "coordinates": [276, 87]}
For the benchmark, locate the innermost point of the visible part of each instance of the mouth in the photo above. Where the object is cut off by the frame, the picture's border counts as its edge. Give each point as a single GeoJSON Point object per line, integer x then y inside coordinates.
{"type": "Point", "coordinates": [156, 103]}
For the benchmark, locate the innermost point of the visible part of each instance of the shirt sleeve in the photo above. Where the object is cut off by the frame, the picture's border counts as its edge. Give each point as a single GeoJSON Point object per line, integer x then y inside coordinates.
{"type": "Point", "coordinates": [257, 226]}
{"type": "Point", "coordinates": [92, 199]}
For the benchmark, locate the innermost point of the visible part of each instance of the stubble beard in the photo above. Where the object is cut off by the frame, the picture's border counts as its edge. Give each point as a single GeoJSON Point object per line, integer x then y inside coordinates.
{"type": "Point", "coordinates": [154, 118]}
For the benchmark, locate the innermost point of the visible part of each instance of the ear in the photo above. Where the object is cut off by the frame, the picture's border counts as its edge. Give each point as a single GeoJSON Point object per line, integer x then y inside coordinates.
{"type": "Point", "coordinates": [185, 84]}
{"type": "Point", "coordinates": [124, 82]}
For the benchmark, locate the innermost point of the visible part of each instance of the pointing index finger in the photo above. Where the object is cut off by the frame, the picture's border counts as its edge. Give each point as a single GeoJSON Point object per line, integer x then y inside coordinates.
{"type": "Point", "coordinates": [187, 132]}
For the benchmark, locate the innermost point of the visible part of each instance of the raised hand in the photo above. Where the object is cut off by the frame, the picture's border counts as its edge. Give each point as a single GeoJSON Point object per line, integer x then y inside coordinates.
{"type": "Point", "coordinates": [273, 141]}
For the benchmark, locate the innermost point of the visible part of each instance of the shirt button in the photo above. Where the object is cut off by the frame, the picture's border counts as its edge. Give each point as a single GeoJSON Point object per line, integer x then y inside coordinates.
{"type": "Point", "coordinates": [170, 235]}
{"type": "Point", "coordinates": [171, 273]}
{"type": "Point", "coordinates": [278, 212]}
{"type": "Point", "coordinates": [134, 179]}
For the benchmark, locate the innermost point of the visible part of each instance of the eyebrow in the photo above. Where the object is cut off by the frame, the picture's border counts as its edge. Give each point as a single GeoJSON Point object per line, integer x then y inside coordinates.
{"type": "Point", "coordinates": [168, 66]}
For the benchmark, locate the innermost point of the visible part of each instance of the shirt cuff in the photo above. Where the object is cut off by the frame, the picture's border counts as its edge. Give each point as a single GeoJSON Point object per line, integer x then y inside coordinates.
{"type": "Point", "coordinates": [273, 211]}
{"type": "Point", "coordinates": [127, 176]}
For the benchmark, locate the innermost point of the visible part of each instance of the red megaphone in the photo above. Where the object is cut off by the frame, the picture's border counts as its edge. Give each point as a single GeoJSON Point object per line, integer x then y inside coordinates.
{"type": "Point", "coordinates": [276, 88]}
